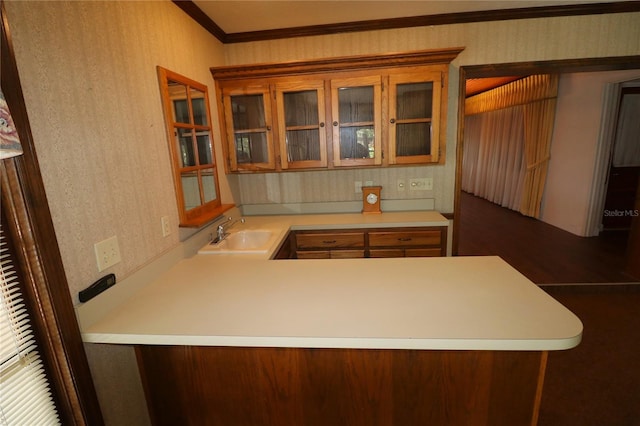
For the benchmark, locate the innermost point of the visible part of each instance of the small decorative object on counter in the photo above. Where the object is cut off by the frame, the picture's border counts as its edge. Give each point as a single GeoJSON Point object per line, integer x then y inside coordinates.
{"type": "Point", "coordinates": [371, 199]}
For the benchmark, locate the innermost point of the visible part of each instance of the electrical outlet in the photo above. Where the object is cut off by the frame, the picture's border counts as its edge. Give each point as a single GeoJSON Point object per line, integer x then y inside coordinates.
{"type": "Point", "coordinates": [400, 185]}
{"type": "Point", "coordinates": [428, 184]}
{"type": "Point", "coordinates": [358, 187]}
{"type": "Point", "coordinates": [107, 253]}
{"type": "Point", "coordinates": [166, 229]}
{"type": "Point", "coordinates": [421, 184]}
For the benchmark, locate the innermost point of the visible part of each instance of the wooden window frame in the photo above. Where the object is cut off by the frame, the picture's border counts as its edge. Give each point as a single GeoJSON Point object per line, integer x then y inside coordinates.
{"type": "Point", "coordinates": [206, 211]}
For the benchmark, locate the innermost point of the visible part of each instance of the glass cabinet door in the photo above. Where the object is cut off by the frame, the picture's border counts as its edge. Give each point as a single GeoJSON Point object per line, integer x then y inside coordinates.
{"type": "Point", "coordinates": [301, 124]}
{"type": "Point", "coordinates": [355, 105]}
{"type": "Point", "coordinates": [248, 124]}
{"type": "Point", "coordinates": [414, 118]}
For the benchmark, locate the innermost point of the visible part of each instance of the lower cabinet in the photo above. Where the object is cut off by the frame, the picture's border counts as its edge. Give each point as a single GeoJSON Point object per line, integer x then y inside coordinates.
{"type": "Point", "coordinates": [408, 243]}
{"type": "Point", "coordinates": [366, 242]}
{"type": "Point", "coordinates": [249, 386]}
{"type": "Point", "coordinates": [330, 245]}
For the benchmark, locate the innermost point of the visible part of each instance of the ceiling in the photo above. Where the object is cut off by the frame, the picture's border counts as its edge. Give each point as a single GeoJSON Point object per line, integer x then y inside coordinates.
{"type": "Point", "coordinates": [241, 16]}
{"type": "Point", "coordinates": [236, 21]}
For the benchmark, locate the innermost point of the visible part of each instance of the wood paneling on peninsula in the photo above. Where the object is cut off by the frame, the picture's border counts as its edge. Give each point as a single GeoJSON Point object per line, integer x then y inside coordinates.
{"type": "Point", "coordinates": [192, 385]}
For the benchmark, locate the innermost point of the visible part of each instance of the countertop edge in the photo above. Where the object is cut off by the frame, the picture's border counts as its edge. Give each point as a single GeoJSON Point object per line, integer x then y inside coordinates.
{"type": "Point", "coordinates": [338, 343]}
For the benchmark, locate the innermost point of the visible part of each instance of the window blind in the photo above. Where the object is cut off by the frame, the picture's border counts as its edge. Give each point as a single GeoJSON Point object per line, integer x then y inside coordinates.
{"type": "Point", "coordinates": [25, 398]}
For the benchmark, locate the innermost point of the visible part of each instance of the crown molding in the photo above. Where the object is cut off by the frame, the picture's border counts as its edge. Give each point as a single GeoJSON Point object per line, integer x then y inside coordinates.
{"type": "Point", "coordinates": [416, 21]}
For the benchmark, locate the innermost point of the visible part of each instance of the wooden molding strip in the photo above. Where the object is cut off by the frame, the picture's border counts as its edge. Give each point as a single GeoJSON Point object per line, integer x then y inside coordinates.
{"type": "Point", "coordinates": [190, 8]}
{"type": "Point", "coordinates": [416, 21]}
{"type": "Point", "coordinates": [419, 57]}
{"type": "Point", "coordinates": [553, 66]}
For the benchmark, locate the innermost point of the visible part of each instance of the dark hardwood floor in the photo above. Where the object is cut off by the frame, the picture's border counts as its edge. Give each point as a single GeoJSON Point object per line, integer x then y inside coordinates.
{"type": "Point", "coordinates": [598, 382]}
{"type": "Point", "coordinates": [543, 253]}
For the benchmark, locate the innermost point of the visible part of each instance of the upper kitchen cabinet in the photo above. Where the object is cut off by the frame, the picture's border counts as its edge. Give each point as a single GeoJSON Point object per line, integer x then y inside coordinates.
{"type": "Point", "coordinates": [415, 117]}
{"type": "Point", "coordinates": [302, 137]}
{"type": "Point", "coordinates": [248, 128]}
{"type": "Point", "coordinates": [363, 111]}
{"type": "Point", "coordinates": [356, 111]}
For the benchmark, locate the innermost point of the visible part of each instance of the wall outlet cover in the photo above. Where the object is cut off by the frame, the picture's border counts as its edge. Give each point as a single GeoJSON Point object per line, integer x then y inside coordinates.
{"type": "Point", "coordinates": [107, 253]}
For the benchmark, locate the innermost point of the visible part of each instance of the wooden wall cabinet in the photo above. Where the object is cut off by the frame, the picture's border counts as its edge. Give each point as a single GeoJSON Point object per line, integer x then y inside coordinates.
{"type": "Point", "coordinates": [369, 242]}
{"type": "Point", "coordinates": [364, 111]}
{"type": "Point", "coordinates": [302, 137]}
{"type": "Point", "coordinates": [248, 128]}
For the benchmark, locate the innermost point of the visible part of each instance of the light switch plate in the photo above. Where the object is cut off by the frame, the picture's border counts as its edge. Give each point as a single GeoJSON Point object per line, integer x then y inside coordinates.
{"type": "Point", "coordinates": [166, 229]}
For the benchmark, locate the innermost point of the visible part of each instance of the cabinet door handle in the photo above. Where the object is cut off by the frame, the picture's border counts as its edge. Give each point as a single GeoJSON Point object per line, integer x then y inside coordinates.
{"type": "Point", "coordinates": [321, 124]}
{"type": "Point", "coordinates": [268, 128]}
{"type": "Point", "coordinates": [335, 123]}
{"type": "Point", "coordinates": [404, 239]}
{"type": "Point", "coordinates": [329, 242]}
{"type": "Point", "coordinates": [393, 120]}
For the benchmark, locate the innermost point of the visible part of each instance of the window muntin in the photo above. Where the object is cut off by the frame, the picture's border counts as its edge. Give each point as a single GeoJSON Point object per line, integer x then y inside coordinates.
{"type": "Point", "coordinates": [188, 121]}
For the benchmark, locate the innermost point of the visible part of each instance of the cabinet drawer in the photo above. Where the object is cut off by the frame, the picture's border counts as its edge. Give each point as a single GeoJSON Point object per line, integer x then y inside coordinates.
{"type": "Point", "coordinates": [314, 254]}
{"type": "Point", "coordinates": [346, 254]}
{"type": "Point", "coordinates": [404, 239]}
{"type": "Point", "coordinates": [330, 240]}
{"type": "Point", "coordinates": [329, 254]}
{"type": "Point", "coordinates": [423, 252]}
{"type": "Point", "coordinates": [386, 253]}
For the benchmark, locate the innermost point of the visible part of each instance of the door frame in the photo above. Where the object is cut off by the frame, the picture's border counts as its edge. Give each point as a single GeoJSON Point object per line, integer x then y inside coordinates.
{"type": "Point", "coordinates": [522, 69]}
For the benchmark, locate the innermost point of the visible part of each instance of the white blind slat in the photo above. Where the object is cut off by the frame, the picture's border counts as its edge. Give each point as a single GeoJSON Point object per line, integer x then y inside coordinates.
{"type": "Point", "coordinates": [25, 396]}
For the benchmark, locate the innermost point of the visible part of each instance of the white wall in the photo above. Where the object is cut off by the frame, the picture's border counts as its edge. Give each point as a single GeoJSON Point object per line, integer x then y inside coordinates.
{"type": "Point", "coordinates": [573, 161]}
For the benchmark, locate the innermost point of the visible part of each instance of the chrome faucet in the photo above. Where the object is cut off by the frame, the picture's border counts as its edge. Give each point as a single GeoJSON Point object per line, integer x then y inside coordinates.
{"type": "Point", "coordinates": [222, 230]}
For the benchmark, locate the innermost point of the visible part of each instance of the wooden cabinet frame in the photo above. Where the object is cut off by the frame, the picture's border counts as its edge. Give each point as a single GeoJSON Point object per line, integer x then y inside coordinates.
{"type": "Point", "coordinates": [281, 89]}
{"type": "Point", "coordinates": [421, 241]}
{"type": "Point", "coordinates": [417, 66]}
{"type": "Point", "coordinates": [229, 133]}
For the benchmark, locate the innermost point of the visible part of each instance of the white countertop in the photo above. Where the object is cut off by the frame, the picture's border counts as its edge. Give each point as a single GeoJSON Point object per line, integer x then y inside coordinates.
{"type": "Point", "coordinates": [475, 303]}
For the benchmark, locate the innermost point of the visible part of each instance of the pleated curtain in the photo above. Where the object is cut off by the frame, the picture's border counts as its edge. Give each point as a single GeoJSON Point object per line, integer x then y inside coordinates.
{"type": "Point", "coordinates": [507, 140]}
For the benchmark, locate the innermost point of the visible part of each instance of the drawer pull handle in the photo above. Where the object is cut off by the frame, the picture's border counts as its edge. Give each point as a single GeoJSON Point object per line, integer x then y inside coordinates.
{"type": "Point", "coordinates": [329, 242]}
{"type": "Point", "coordinates": [404, 239]}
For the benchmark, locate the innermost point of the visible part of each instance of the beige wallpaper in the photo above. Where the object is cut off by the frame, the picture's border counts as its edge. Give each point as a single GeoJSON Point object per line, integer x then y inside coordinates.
{"type": "Point", "coordinates": [90, 85]}
{"type": "Point", "coordinates": [489, 42]}
{"type": "Point", "coordinates": [88, 72]}
{"type": "Point", "coordinates": [89, 80]}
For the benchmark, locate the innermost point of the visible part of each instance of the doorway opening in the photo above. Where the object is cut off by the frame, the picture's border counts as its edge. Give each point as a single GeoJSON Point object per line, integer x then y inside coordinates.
{"type": "Point", "coordinates": [519, 70]}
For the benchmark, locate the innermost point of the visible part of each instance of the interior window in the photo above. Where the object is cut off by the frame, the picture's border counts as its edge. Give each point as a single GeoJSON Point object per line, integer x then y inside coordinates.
{"type": "Point", "coordinates": [188, 121]}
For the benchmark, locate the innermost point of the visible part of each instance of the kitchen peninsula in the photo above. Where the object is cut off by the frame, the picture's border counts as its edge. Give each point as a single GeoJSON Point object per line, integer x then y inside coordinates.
{"type": "Point", "coordinates": [240, 339]}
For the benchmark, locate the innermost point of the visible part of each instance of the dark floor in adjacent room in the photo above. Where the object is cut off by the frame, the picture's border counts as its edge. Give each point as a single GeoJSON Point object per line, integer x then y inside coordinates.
{"type": "Point", "coordinates": [598, 382]}
{"type": "Point", "coordinates": [542, 252]}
